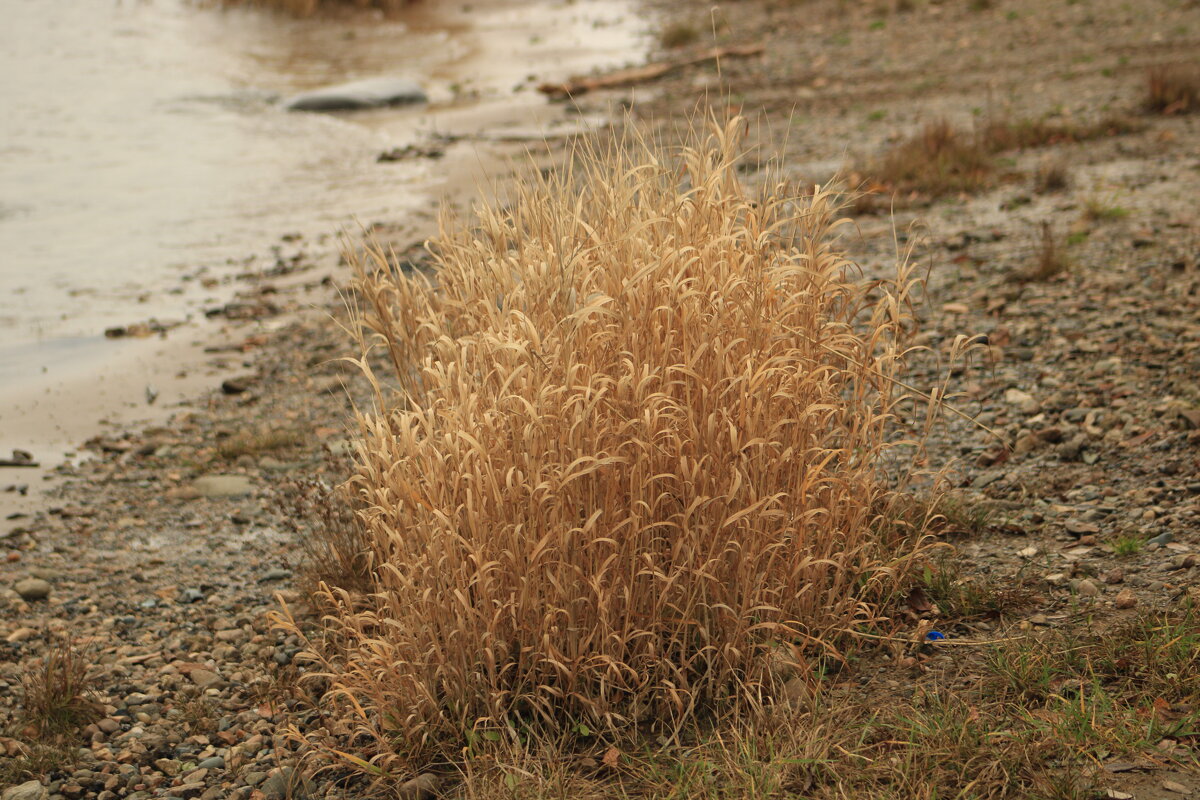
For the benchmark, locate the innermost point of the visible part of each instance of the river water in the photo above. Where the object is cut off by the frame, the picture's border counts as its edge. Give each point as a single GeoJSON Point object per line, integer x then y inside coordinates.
{"type": "Point", "coordinates": [142, 145]}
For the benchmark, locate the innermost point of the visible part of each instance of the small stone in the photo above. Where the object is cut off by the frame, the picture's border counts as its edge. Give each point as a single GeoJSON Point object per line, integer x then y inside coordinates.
{"type": "Point", "coordinates": [1125, 599]}
{"type": "Point", "coordinates": [1183, 561]}
{"type": "Point", "coordinates": [1087, 589]}
{"type": "Point", "coordinates": [20, 635]}
{"type": "Point", "coordinates": [1079, 529]}
{"type": "Point", "coordinates": [1178, 788]}
{"type": "Point", "coordinates": [286, 785]}
{"type": "Point", "coordinates": [30, 790]}
{"type": "Point", "coordinates": [205, 678]}
{"type": "Point", "coordinates": [1162, 539]}
{"type": "Point", "coordinates": [32, 589]}
{"type": "Point", "coordinates": [1027, 552]}
{"type": "Point", "coordinates": [216, 762]}
{"type": "Point", "coordinates": [275, 575]}
{"type": "Point", "coordinates": [237, 385]}
{"type": "Point", "coordinates": [223, 486]}
{"type": "Point", "coordinates": [422, 787]}
{"type": "Point", "coordinates": [190, 596]}
{"type": "Point", "coordinates": [1116, 575]}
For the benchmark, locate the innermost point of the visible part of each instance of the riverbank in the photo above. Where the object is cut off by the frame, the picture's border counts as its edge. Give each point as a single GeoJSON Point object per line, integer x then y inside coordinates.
{"type": "Point", "coordinates": [162, 555]}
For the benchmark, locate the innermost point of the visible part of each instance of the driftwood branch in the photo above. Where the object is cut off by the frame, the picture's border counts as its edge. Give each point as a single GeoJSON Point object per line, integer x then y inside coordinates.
{"type": "Point", "coordinates": [648, 72]}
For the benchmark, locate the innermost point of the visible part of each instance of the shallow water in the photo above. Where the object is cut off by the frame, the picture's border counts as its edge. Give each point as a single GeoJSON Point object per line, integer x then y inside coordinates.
{"type": "Point", "coordinates": [142, 142]}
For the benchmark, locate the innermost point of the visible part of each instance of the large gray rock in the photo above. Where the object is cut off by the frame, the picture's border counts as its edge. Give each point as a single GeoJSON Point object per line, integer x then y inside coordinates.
{"type": "Point", "coordinates": [370, 93]}
{"type": "Point", "coordinates": [223, 486]}
{"type": "Point", "coordinates": [30, 790]}
{"type": "Point", "coordinates": [33, 589]}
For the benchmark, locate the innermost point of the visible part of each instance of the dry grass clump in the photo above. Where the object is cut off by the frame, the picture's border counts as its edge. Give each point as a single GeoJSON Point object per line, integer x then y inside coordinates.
{"type": "Point", "coordinates": [336, 547]}
{"type": "Point", "coordinates": [58, 697]}
{"type": "Point", "coordinates": [1173, 89]}
{"type": "Point", "coordinates": [1001, 135]}
{"type": "Point", "coordinates": [1051, 176]}
{"type": "Point", "coordinates": [1050, 258]}
{"type": "Point", "coordinates": [635, 460]}
{"type": "Point", "coordinates": [678, 34]}
{"type": "Point", "coordinates": [941, 160]}
{"type": "Point", "coordinates": [938, 160]}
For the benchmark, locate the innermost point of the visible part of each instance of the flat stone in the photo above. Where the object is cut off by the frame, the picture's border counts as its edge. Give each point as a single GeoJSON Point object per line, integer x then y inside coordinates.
{"type": "Point", "coordinates": [223, 486]}
{"type": "Point", "coordinates": [204, 678]}
{"type": "Point", "coordinates": [286, 785]}
{"type": "Point", "coordinates": [357, 95]}
{"type": "Point", "coordinates": [33, 589]}
{"type": "Point", "coordinates": [30, 790]}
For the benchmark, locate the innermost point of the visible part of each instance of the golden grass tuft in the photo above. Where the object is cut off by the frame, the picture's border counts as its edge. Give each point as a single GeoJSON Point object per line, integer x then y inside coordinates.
{"type": "Point", "coordinates": [636, 447]}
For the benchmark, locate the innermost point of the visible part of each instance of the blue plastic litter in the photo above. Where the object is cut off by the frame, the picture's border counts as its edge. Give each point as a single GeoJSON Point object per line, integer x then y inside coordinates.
{"type": "Point", "coordinates": [933, 636]}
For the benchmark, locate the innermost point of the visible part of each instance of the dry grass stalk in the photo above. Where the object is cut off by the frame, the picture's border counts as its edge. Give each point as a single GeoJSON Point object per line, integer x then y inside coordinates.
{"type": "Point", "coordinates": [638, 446]}
{"type": "Point", "coordinates": [1173, 89]}
{"type": "Point", "coordinates": [1051, 258]}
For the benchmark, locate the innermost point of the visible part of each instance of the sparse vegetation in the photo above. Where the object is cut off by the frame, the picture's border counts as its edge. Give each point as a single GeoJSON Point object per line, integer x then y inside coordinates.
{"type": "Point", "coordinates": [57, 697]}
{"type": "Point", "coordinates": [1051, 258]}
{"type": "Point", "coordinates": [1103, 209]}
{"type": "Point", "coordinates": [1051, 176]}
{"type": "Point", "coordinates": [336, 546]}
{"type": "Point", "coordinates": [938, 160]}
{"type": "Point", "coordinates": [1173, 89]}
{"type": "Point", "coordinates": [636, 455]}
{"type": "Point", "coordinates": [941, 160]}
{"type": "Point", "coordinates": [257, 442]}
{"type": "Point", "coordinates": [1126, 545]}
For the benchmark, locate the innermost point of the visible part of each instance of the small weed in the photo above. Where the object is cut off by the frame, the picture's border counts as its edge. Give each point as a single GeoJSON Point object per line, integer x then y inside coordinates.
{"type": "Point", "coordinates": [58, 696]}
{"type": "Point", "coordinates": [1051, 176]}
{"type": "Point", "coordinates": [1173, 89]}
{"type": "Point", "coordinates": [335, 545]}
{"type": "Point", "coordinates": [1051, 260]}
{"type": "Point", "coordinates": [936, 161]}
{"type": "Point", "coordinates": [1126, 545]}
{"type": "Point", "coordinates": [250, 444]}
{"type": "Point", "coordinates": [25, 761]}
{"type": "Point", "coordinates": [678, 34]}
{"type": "Point", "coordinates": [969, 597]}
{"type": "Point", "coordinates": [1098, 209]}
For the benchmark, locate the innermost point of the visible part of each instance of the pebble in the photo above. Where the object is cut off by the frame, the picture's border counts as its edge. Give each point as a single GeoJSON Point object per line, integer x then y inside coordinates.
{"type": "Point", "coordinates": [1162, 539]}
{"type": "Point", "coordinates": [423, 787]}
{"type": "Point", "coordinates": [286, 785]}
{"type": "Point", "coordinates": [32, 589]}
{"type": "Point", "coordinates": [1115, 575]}
{"type": "Point", "coordinates": [223, 486]}
{"type": "Point", "coordinates": [1087, 589]}
{"type": "Point", "coordinates": [1125, 599]}
{"type": "Point", "coordinates": [30, 790]}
